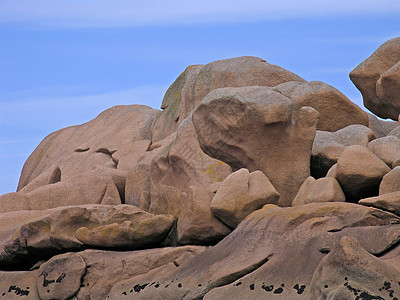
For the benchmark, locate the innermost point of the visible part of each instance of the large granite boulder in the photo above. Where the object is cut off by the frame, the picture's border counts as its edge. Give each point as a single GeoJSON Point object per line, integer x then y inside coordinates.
{"type": "Point", "coordinates": [81, 148]}
{"type": "Point", "coordinates": [378, 79]}
{"type": "Point", "coordinates": [240, 194]}
{"type": "Point", "coordinates": [359, 172]}
{"type": "Point", "coordinates": [252, 128]}
{"type": "Point", "coordinates": [325, 189]}
{"type": "Point", "coordinates": [328, 146]}
{"type": "Point", "coordinates": [197, 81]}
{"type": "Point", "coordinates": [336, 111]}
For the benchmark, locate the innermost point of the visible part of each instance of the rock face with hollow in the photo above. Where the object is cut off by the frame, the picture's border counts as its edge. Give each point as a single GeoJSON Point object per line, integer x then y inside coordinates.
{"type": "Point", "coordinates": [212, 198]}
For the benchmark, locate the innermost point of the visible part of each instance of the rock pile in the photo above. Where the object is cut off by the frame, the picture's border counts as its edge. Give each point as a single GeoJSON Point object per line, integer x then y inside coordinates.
{"type": "Point", "coordinates": [251, 183]}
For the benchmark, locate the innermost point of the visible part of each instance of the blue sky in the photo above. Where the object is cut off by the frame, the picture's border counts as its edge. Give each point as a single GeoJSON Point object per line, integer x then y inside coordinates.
{"type": "Point", "coordinates": [63, 62]}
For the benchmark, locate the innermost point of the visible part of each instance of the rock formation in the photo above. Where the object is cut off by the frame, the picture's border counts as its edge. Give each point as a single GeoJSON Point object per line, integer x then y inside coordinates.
{"type": "Point", "coordinates": [251, 183]}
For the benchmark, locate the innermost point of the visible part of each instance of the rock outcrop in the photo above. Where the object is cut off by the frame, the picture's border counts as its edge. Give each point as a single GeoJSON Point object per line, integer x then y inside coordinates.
{"type": "Point", "coordinates": [378, 80]}
{"type": "Point", "coordinates": [212, 198]}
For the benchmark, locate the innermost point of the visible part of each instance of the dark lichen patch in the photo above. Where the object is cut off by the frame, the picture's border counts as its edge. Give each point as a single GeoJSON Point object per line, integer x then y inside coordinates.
{"type": "Point", "coordinates": [278, 290]}
{"type": "Point", "coordinates": [137, 288]}
{"type": "Point", "coordinates": [267, 288]}
{"type": "Point", "coordinates": [237, 284]}
{"type": "Point", "coordinates": [251, 286]}
{"type": "Point", "coordinates": [17, 290]}
{"type": "Point", "coordinates": [387, 286]}
{"type": "Point", "coordinates": [365, 296]}
{"type": "Point", "coordinates": [300, 288]}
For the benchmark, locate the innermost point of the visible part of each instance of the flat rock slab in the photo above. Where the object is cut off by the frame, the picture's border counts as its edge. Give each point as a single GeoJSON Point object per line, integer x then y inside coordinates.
{"type": "Point", "coordinates": [29, 236]}
{"type": "Point", "coordinates": [274, 251]}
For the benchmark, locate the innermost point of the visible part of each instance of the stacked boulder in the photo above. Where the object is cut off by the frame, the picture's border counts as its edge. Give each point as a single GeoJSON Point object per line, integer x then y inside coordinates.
{"type": "Point", "coordinates": [250, 183]}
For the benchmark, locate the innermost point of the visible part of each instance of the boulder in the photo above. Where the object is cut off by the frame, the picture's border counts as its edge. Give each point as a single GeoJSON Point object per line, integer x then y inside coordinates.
{"type": "Point", "coordinates": [380, 127]}
{"type": "Point", "coordinates": [328, 146]}
{"type": "Point", "coordinates": [240, 194]}
{"type": "Point", "coordinates": [81, 148]}
{"type": "Point", "coordinates": [336, 111]}
{"type": "Point", "coordinates": [196, 224]}
{"type": "Point", "coordinates": [321, 190]}
{"type": "Point", "coordinates": [177, 167]}
{"type": "Point", "coordinates": [390, 182]}
{"type": "Point", "coordinates": [91, 187]}
{"type": "Point", "coordinates": [28, 236]}
{"type": "Point", "coordinates": [273, 252]}
{"type": "Point", "coordinates": [50, 176]}
{"type": "Point", "coordinates": [386, 148]}
{"type": "Point", "coordinates": [378, 80]}
{"type": "Point", "coordinates": [396, 163]}
{"type": "Point", "coordinates": [350, 272]}
{"type": "Point", "coordinates": [252, 128]}
{"type": "Point", "coordinates": [197, 81]}
{"type": "Point", "coordinates": [359, 172]}
{"type": "Point", "coordinates": [388, 202]}
{"type": "Point", "coordinates": [395, 132]}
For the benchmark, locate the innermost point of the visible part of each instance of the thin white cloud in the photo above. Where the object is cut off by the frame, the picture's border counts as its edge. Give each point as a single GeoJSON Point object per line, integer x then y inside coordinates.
{"type": "Point", "coordinates": [106, 13]}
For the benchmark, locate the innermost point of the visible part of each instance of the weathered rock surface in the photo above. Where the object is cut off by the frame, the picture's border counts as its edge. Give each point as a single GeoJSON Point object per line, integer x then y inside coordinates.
{"type": "Point", "coordinates": [328, 146]}
{"type": "Point", "coordinates": [251, 127]}
{"type": "Point", "coordinates": [359, 172]}
{"type": "Point", "coordinates": [321, 190]}
{"type": "Point", "coordinates": [273, 252]}
{"type": "Point", "coordinates": [240, 194]}
{"type": "Point", "coordinates": [380, 127]}
{"type": "Point", "coordinates": [89, 274]}
{"type": "Point", "coordinates": [137, 185]}
{"type": "Point", "coordinates": [386, 148]}
{"type": "Point", "coordinates": [29, 236]}
{"type": "Point", "coordinates": [197, 81]}
{"type": "Point", "coordinates": [390, 182]}
{"type": "Point", "coordinates": [336, 111]}
{"type": "Point", "coordinates": [81, 148]}
{"type": "Point", "coordinates": [92, 187]}
{"type": "Point", "coordinates": [378, 80]}
{"type": "Point", "coordinates": [196, 224]}
{"type": "Point", "coordinates": [177, 167]}
{"type": "Point", "coordinates": [389, 202]}
{"type": "Point", "coordinates": [350, 272]}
